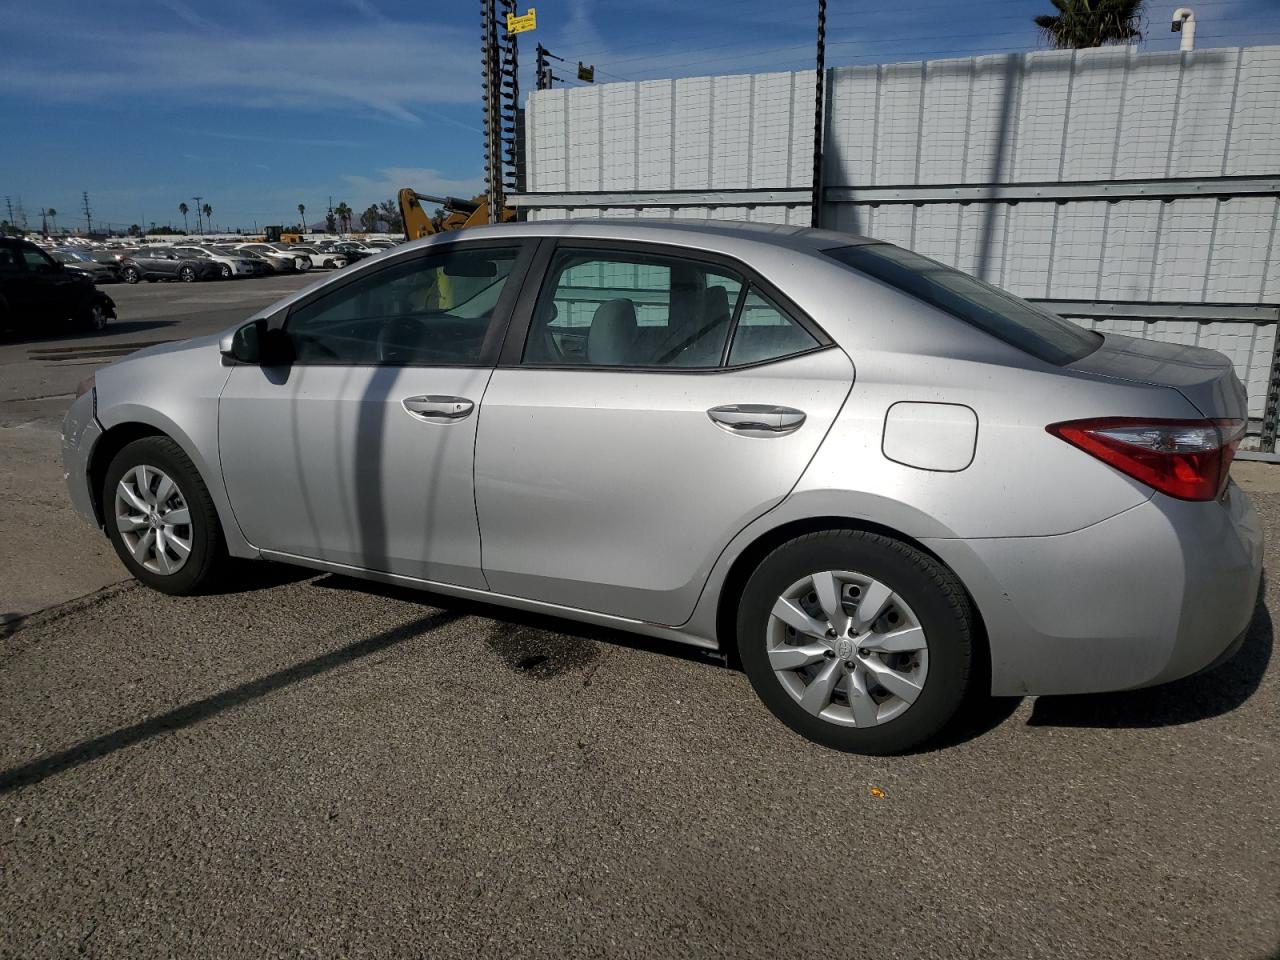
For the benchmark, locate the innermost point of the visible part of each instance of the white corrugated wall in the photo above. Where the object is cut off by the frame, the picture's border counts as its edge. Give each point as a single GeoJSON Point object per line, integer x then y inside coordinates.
{"type": "Point", "coordinates": [1091, 120]}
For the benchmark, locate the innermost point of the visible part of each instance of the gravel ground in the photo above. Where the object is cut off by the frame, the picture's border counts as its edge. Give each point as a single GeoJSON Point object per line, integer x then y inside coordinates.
{"type": "Point", "coordinates": [309, 766]}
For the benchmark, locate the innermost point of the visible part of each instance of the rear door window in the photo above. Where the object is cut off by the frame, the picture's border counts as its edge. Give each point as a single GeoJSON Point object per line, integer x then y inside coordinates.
{"type": "Point", "coordinates": [992, 310]}
{"type": "Point", "coordinates": [632, 310]}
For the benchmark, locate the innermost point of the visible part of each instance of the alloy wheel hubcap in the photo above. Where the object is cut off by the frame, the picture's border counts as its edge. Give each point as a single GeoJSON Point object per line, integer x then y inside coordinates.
{"type": "Point", "coordinates": [847, 648]}
{"type": "Point", "coordinates": [153, 519]}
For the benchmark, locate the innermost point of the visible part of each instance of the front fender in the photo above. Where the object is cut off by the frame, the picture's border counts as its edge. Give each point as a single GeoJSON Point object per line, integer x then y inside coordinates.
{"type": "Point", "coordinates": [175, 389]}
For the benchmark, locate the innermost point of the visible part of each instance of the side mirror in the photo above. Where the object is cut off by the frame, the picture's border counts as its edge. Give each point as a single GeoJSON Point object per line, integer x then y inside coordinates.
{"type": "Point", "coordinates": [258, 344]}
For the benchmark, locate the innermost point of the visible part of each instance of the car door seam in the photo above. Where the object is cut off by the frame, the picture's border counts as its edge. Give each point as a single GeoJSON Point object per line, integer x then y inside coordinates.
{"type": "Point", "coordinates": [781, 500]}
{"type": "Point", "coordinates": [475, 452]}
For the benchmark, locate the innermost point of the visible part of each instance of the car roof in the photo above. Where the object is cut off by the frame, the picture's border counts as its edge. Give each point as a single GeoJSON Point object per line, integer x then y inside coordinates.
{"type": "Point", "coordinates": [711, 233]}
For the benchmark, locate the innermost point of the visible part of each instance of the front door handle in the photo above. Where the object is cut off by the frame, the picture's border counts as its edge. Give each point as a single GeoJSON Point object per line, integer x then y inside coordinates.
{"type": "Point", "coordinates": [756, 419]}
{"type": "Point", "coordinates": [435, 409]}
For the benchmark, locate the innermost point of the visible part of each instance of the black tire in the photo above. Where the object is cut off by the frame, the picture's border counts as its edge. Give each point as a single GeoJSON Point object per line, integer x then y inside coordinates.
{"type": "Point", "coordinates": [937, 598]}
{"type": "Point", "coordinates": [187, 274]}
{"type": "Point", "coordinates": [130, 274]}
{"type": "Point", "coordinates": [93, 315]}
{"type": "Point", "coordinates": [208, 552]}
{"type": "Point", "coordinates": [225, 271]}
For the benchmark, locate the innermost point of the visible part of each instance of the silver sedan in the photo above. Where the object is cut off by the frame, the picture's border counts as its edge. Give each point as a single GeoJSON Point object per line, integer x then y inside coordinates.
{"type": "Point", "coordinates": [882, 485]}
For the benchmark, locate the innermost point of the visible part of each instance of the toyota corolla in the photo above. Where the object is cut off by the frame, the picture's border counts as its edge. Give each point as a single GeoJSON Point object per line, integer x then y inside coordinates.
{"type": "Point", "coordinates": [880, 483]}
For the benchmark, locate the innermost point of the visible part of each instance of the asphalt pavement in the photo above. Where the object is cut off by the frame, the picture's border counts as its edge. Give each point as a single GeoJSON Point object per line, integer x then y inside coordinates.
{"type": "Point", "coordinates": [47, 555]}
{"type": "Point", "coordinates": [309, 766]}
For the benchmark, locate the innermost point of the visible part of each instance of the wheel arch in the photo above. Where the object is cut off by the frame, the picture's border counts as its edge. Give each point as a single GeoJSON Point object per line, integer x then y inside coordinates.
{"type": "Point", "coordinates": [116, 437]}
{"type": "Point", "coordinates": [104, 451]}
{"type": "Point", "coordinates": [750, 557]}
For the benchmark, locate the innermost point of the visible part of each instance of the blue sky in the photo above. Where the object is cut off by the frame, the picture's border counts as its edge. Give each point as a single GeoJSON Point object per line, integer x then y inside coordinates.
{"type": "Point", "coordinates": [261, 106]}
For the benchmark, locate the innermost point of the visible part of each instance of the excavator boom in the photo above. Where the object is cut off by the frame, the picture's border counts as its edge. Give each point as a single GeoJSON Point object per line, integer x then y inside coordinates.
{"type": "Point", "coordinates": [458, 213]}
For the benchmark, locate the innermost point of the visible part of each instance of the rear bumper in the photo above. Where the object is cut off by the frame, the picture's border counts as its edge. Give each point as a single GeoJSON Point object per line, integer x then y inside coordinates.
{"type": "Point", "coordinates": [1153, 594]}
{"type": "Point", "coordinates": [80, 431]}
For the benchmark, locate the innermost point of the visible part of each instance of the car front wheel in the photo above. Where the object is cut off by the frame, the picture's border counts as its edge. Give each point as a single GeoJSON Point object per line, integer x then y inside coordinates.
{"type": "Point", "coordinates": [857, 641]}
{"type": "Point", "coordinates": [160, 517]}
{"type": "Point", "coordinates": [225, 271]}
{"type": "Point", "coordinates": [130, 275]}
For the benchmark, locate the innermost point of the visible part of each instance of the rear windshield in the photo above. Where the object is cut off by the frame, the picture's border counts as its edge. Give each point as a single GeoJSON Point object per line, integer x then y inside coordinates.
{"type": "Point", "coordinates": [1006, 317]}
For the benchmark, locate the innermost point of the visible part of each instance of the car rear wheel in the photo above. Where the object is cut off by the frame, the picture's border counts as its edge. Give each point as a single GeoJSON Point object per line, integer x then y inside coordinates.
{"type": "Point", "coordinates": [130, 275]}
{"type": "Point", "coordinates": [160, 517]}
{"type": "Point", "coordinates": [857, 641]}
{"type": "Point", "coordinates": [187, 274]}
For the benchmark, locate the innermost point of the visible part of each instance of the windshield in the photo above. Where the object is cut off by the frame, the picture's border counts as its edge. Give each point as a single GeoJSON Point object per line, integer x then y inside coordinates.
{"type": "Point", "coordinates": [992, 310]}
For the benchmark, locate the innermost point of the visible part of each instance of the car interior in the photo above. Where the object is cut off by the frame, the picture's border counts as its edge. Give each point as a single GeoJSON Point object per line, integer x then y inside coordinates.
{"type": "Point", "coordinates": [417, 313]}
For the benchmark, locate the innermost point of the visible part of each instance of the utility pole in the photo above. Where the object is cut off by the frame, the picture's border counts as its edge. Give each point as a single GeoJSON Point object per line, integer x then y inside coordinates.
{"type": "Point", "coordinates": [501, 104]}
{"type": "Point", "coordinates": [544, 75]}
{"type": "Point", "coordinates": [199, 222]}
{"type": "Point", "coordinates": [88, 214]}
{"type": "Point", "coordinates": [816, 199]}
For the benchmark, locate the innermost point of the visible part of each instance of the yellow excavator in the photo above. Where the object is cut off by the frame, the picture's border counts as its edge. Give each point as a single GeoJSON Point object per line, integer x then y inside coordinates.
{"type": "Point", "coordinates": [458, 213]}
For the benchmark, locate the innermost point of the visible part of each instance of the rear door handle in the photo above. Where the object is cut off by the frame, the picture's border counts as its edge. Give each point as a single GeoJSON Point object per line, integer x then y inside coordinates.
{"type": "Point", "coordinates": [436, 409]}
{"type": "Point", "coordinates": [756, 419]}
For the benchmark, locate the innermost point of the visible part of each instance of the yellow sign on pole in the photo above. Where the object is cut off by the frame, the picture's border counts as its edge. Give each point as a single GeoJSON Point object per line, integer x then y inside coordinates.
{"type": "Point", "coordinates": [517, 24]}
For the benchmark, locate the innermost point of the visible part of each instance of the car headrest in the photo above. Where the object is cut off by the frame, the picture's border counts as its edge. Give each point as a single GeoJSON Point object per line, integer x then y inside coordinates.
{"type": "Point", "coordinates": [613, 333]}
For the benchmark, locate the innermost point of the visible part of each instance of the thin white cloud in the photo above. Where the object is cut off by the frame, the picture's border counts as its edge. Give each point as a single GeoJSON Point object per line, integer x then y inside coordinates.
{"type": "Point", "coordinates": [189, 16]}
{"type": "Point", "coordinates": [363, 68]}
{"type": "Point", "coordinates": [257, 138]}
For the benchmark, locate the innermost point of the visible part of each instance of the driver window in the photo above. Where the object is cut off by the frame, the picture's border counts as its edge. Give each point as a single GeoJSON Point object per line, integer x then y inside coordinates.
{"type": "Point", "coordinates": [37, 259]}
{"type": "Point", "coordinates": [425, 311]}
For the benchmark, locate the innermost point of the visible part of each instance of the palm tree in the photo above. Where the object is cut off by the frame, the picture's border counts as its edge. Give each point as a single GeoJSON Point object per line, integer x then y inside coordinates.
{"type": "Point", "coordinates": [182, 209]}
{"type": "Point", "coordinates": [1091, 23]}
{"type": "Point", "coordinates": [208, 214]}
{"type": "Point", "coordinates": [343, 213]}
{"type": "Point", "coordinates": [302, 216]}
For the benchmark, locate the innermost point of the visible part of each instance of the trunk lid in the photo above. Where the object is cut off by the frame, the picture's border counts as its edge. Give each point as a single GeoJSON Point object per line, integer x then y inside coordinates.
{"type": "Point", "coordinates": [1205, 377]}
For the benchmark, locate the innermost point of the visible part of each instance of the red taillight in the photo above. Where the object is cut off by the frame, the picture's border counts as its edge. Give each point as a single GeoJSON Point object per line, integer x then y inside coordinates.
{"type": "Point", "coordinates": [1187, 459]}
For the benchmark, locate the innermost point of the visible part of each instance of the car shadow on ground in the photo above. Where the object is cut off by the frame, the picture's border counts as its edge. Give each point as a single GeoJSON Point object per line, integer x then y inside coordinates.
{"type": "Point", "coordinates": [533, 643]}
{"type": "Point", "coordinates": [114, 328]}
{"type": "Point", "coordinates": [1209, 694]}
{"type": "Point", "coordinates": [252, 576]}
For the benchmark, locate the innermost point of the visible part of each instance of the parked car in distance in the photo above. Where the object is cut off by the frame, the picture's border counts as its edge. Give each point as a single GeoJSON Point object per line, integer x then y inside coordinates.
{"type": "Point", "coordinates": [278, 260]}
{"type": "Point", "coordinates": [229, 265]}
{"type": "Point", "coordinates": [300, 262]}
{"type": "Point", "coordinates": [111, 255]}
{"type": "Point", "coordinates": [353, 251]}
{"type": "Point", "coordinates": [78, 261]}
{"type": "Point", "coordinates": [266, 264]}
{"type": "Point", "coordinates": [163, 263]}
{"type": "Point", "coordinates": [657, 427]}
{"type": "Point", "coordinates": [319, 258]}
{"type": "Point", "coordinates": [38, 293]}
